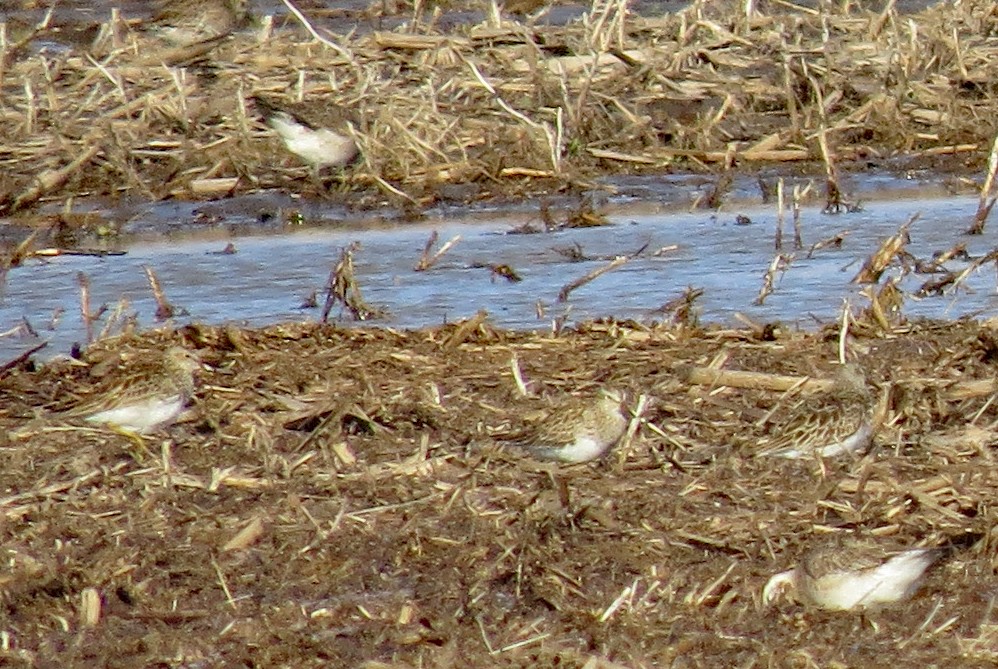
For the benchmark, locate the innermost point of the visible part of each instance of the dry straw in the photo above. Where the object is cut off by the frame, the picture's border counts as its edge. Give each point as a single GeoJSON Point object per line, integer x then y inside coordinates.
{"type": "Point", "coordinates": [512, 106]}
{"type": "Point", "coordinates": [353, 481]}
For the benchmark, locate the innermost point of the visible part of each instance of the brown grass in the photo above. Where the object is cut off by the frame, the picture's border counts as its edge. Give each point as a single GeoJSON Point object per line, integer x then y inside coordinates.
{"type": "Point", "coordinates": [511, 107]}
{"type": "Point", "coordinates": [341, 498]}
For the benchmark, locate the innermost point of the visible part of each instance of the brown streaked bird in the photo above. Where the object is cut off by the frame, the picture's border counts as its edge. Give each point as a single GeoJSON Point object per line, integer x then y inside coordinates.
{"type": "Point", "coordinates": [852, 574]}
{"type": "Point", "coordinates": [577, 429]}
{"type": "Point", "coordinates": [187, 22]}
{"type": "Point", "coordinates": [315, 131]}
{"type": "Point", "coordinates": [826, 424]}
{"type": "Point", "coordinates": [152, 401]}
{"type": "Point", "coordinates": [522, 7]}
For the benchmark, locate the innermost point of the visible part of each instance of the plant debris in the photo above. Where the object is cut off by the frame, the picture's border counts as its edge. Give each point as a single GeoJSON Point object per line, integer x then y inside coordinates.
{"type": "Point", "coordinates": [343, 289]}
{"type": "Point", "coordinates": [350, 488]}
{"type": "Point", "coordinates": [513, 107]}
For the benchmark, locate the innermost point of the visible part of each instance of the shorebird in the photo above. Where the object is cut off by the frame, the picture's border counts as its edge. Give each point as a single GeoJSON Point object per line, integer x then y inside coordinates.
{"type": "Point", "coordinates": [854, 574]}
{"type": "Point", "coordinates": [313, 131]}
{"type": "Point", "coordinates": [187, 22]}
{"type": "Point", "coordinates": [152, 401]}
{"type": "Point", "coordinates": [827, 424]}
{"type": "Point", "coordinates": [577, 430]}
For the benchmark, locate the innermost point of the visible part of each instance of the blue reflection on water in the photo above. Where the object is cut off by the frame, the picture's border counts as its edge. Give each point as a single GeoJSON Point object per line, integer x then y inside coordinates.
{"type": "Point", "coordinates": [267, 279]}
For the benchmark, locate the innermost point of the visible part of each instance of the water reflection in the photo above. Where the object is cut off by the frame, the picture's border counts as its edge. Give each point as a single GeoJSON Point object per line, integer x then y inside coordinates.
{"type": "Point", "coordinates": [269, 276]}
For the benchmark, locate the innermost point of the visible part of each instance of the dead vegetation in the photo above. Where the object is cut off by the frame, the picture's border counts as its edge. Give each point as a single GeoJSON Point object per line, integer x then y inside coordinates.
{"type": "Point", "coordinates": [341, 497]}
{"type": "Point", "coordinates": [507, 107]}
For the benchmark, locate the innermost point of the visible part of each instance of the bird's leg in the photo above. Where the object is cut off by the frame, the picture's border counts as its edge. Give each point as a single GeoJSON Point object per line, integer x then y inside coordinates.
{"type": "Point", "coordinates": [141, 453]}
{"type": "Point", "coordinates": [323, 184]}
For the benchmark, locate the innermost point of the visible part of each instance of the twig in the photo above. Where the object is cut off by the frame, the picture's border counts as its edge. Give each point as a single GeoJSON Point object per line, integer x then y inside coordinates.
{"type": "Point", "coordinates": [117, 314]}
{"type": "Point", "coordinates": [885, 304]}
{"type": "Point", "coordinates": [984, 205]}
{"type": "Point", "coordinates": [53, 252]}
{"type": "Point", "coordinates": [833, 194]}
{"type": "Point", "coordinates": [781, 263]}
{"type": "Point", "coordinates": [48, 181]}
{"type": "Point", "coordinates": [11, 364]}
{"type": "Point", "coordinates": [29, 36]}
{"type": "Point", "coordinates": [554, 145]}
{"type": "Point", "coordinates": [683, 309]}
{"type": "Point", "coordinates": [844, 330]}
{"type": "Point", "coordinates": [223, 584]}
{"type": "Point", "coordinates": [878, 22]}
{"type": "Point", "coordinates": [833, 241]}
{"type": "Point", "coordinates": [796, 208]}
{"type": "Point", "coordinates": [637, 419]}
{"type": "Point", "coordinates": [83, 281]}
{"type": "Point", "coordinates": [426, 261]}
{"type": "Point", "coordinates": [47, 492]}
{"type": "Point", "coordinates": [595, 274]}
{"type": "Point", "coordinates": [342, 287]}
{"type": "Point", "coordinates": [991, 256]}
{"type": "Point", "coordinates": [460, 335]}
{"type": "Point", "coordinates": [779, 215]}
{"type": "Point", "coordinates": [514, 366]}
{"type": "Point", "coordinates": [892, 246]}
{"type": "Point", "coordinates": [311, 30]}
{"type": "Point", "coordinates": [733, 378]}
{"type": "Point", "coordinates": [164, 310]}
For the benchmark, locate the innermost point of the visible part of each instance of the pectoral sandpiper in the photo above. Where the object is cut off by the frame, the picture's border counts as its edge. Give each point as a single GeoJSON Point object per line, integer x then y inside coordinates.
{"type": "Point", "coordinates": [577, 430]}
{"type": "Point", "coordinates": [314, 131]}
{"type": "Point", "coordinates": [152, 401]}
{"type": "Point", "coordinates": [854, 574]}
{"type": "Point", "coordinates": [186, 22]}
{"type": "Point", "coordinates": [827, 424]}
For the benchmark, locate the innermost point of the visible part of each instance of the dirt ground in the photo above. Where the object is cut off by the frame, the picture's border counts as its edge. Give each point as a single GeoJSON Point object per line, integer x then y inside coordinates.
{"type": "Point", "coordinates": [344, 497]}
{"type": "Point", "coordinates": [458, 113]}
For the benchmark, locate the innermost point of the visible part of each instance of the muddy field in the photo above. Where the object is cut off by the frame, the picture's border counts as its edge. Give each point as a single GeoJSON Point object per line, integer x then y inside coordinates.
{"type": "Point", "coordinates": [345, 498]}
{"type": "Point", "coordinates": [458, 112]}
{"type": "Point", "coordinates": [351, 498]}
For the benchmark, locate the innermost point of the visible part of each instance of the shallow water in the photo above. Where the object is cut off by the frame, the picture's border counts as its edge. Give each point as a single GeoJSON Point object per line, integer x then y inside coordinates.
{"type": "Point", "coordinates": [80, 11]}
{"type": "Point", "coordinates": [270, 275]}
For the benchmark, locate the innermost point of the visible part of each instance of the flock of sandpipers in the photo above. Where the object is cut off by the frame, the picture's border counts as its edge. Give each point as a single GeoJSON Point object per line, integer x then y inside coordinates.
{"type": "Point", "coordinates": [848, 574]}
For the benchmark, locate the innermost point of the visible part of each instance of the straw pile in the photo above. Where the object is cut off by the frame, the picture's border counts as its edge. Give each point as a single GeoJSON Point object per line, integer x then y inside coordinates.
{"type": "Point", "coordinates": [502, 107]}
{"type": "Point", "coordinates": [342, 498]}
